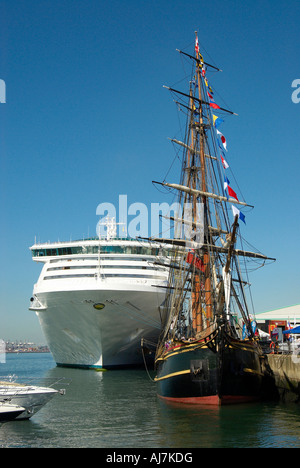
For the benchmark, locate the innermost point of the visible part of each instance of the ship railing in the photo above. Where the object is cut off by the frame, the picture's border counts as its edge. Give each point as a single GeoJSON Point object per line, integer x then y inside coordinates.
{"type": "Point", "coordinates": [11, 381]}
{"type": "Point", "coordinates": [285, 348]}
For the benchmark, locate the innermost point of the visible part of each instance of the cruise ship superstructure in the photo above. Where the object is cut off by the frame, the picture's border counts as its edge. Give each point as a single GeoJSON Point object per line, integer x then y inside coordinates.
{"type": "Point", "coordinates": [97, 298]}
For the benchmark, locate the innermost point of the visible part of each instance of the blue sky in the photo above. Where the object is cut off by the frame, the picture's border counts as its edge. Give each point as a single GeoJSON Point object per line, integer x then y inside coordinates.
{"type": "Point", "coordinates": [87, 118]}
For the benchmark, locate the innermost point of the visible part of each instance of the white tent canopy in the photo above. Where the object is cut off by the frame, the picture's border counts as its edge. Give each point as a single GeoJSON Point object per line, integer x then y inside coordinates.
{"type": "Point", "coordinates": [291, 314]}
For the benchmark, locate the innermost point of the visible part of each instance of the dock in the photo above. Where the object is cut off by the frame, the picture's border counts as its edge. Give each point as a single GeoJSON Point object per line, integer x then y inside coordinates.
{"type": "Point", "coordinates": [282, 372]}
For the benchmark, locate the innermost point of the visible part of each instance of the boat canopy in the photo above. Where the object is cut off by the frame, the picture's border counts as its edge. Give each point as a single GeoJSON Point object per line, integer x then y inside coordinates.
{"type": "Point", "coordinates": [295, 331]}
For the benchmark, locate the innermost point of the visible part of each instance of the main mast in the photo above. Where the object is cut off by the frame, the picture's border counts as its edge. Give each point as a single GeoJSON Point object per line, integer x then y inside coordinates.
{"type": "Point", "coordinates": [201, 300]}
{"type": "Point", "coordinates": [206, 259]}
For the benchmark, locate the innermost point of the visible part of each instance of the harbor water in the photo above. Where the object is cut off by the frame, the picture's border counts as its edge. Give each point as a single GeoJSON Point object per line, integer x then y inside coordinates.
{"type": "Point", "coordinates": [120, 409]}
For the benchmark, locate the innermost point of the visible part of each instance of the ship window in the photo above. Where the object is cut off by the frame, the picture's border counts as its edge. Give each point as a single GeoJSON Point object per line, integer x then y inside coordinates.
{"type": "Point", "coordinates": [111, 267]}
{"type": "Point", "coordinates": [129, 276]}
{"type": "Point", "coordinates": [68, 276]}
{"type": "Point", "coordinates": [94, 249]}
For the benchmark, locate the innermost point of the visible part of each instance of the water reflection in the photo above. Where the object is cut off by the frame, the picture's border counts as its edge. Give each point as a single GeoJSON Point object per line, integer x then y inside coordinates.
{"type": "Point", "coordinates": [240, 426]}
{"type": "Point", "coordinates": [188, 425]}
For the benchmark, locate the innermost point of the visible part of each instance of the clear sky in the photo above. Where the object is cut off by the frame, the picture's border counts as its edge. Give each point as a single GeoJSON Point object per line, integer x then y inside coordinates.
{"type": "Point", "coordinates": [87, 118]}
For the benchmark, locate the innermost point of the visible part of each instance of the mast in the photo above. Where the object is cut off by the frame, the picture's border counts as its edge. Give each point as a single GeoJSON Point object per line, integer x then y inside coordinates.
{"type": "Point", "coordinates": [206, 256]}
{"type": "Point", "coordinates": [196, 298]}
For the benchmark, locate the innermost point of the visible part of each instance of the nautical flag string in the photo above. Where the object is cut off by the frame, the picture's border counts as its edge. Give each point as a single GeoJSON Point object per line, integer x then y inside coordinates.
{"type": "Point", "coordinates": [239, 213]}
{"type": "Point", "coordinates": [228, 190]}
{"type": "Point", "coordinates": [224, 162]}
{"type": "Point", "coordinates": [207, 85]}
{"type": "Point", "coordinates": [197, 45]}
{"type": "Point", "coordinates": [195, 110]}
{"type": "Point", "coordinates": [212, 102]}
{"type": "Point", "coordinates": [223, 139]}
{"type": "Point", "coordinates": [217, 121]}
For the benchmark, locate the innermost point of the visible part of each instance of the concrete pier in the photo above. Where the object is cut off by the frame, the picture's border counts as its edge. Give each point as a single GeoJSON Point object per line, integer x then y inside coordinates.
{"type": "Point", "coordinates": [282, 376]}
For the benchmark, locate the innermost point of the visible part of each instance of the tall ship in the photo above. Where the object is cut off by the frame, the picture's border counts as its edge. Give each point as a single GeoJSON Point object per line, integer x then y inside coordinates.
{"type": "Point", "coordinates": [209, 351]}
{"type": "Point", "coordinates": [97, 298]}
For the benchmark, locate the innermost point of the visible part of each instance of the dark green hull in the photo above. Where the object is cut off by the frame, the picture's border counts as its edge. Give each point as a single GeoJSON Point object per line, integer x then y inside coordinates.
{"type": "Point", "coordinates": [199, 373]}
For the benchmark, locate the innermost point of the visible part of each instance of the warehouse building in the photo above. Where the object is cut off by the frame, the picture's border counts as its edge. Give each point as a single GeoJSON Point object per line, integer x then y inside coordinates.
{"type": "Point", "coordinates": [284, 318]}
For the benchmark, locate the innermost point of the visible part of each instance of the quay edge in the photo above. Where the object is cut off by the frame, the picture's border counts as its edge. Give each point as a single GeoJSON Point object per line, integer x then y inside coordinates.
{"type": "Point", "coordinates": [282, 380]}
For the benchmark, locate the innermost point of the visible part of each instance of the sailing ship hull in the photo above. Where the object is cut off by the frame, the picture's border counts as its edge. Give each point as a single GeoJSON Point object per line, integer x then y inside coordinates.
{"type": "Point", "coordinates": [198, 374]}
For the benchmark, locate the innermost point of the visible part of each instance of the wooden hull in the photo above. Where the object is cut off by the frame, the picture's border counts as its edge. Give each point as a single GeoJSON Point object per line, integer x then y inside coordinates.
{"type": "Point", "coordinates": [199, 373]}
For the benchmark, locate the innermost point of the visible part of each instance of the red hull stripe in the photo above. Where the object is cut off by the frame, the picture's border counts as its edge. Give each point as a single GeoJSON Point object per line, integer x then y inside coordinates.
{"type": "Point", "coordinates": [212, 400]}
{"type": "Point", "coordinates": [208, 400]}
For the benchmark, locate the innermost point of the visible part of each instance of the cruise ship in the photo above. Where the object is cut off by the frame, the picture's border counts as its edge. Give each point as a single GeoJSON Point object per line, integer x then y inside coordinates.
{"type": "Point", "coordinates": [96, 299]}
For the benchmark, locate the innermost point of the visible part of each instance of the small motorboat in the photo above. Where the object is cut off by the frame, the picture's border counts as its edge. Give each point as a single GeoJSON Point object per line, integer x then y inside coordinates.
{"type": "Point", "coordinates": [30, 398]}
{"type": "Point", "coordinates": [9, 412]}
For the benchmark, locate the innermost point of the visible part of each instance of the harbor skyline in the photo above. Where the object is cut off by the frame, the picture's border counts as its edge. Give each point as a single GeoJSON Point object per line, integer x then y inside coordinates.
{"type": "Point", "coordinates": [86, 119]}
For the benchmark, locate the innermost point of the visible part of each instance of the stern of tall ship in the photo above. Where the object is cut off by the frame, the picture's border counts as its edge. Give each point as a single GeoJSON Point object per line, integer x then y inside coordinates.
{"type": "Point", "coordinates": [241, 378]}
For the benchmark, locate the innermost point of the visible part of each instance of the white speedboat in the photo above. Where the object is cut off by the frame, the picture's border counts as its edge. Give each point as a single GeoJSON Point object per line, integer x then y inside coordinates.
{"type": "Point", "coordinates": [26, 398]}
{"type": "Point", "coordinates": [9, 412]}
{"type": "Point", "coordinates": [97, 298]}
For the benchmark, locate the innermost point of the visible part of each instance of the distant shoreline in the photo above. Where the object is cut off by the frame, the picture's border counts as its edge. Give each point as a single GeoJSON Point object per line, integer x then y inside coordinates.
{"type": "Point", "coordinates": [39, 351]}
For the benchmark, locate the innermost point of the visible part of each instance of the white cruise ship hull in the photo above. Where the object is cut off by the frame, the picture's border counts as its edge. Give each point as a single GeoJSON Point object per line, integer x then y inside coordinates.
{"type": "Point", "coordinates": [78, 335]}
{"type": "Point", "coordinates": [97, 301]}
